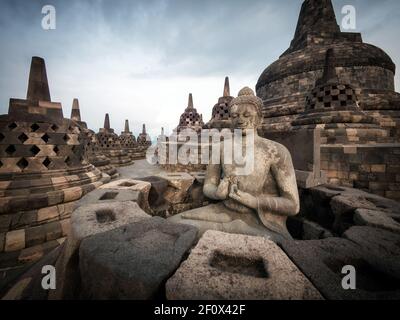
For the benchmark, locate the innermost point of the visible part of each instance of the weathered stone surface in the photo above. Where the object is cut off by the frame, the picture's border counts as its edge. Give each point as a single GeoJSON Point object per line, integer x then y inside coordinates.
{"type": "Point", "coordinates": [179, 184]}
{"type": "Point", "coordinates": [100, 217]}
{"type": "Point", "coordinates": [220, 218]}
{"type": "Point", "coordinates": [326, 192]}
{"type": "Point", "coordinates": [377, 219]}
{"type": "Point", "coordinates": [16, 292]}
{"type": "Point", "coordinates": [15, 240]}
{"type": "Point", "coordinates": [87, 221]}
{"type": "Point", "coordinates": [322, 261]}
{"type": "Point", "coordinates": [5, 221]}
{"type": "Point", "coordinates": [348, 204]}
{"type": "Point", "coordinates": [29, 284]}
{"type": "Point", "coordinates": [158, 188]}
{"type": "Point", "coordinates": [199, 176]}
{"type": "Point", "coordinates": [313, 231]}
{"type": "Point", "coordinates": [2, 241]}
{"type": "Point", "coordinates": [306, 163]}
{"type": "Point", "coordinates": [109, 196]}
{"type": "Point", "coordinates": [33, 254]}
{"type": "Point", "coordinates": [236, 267]}
{"type": "Point", "coordinates": [345, 205]}
{"type": "Point", "coordinates": [380, 248]}
{"type": "Point", "coordinates": [142, 187]}
{"type": "Point", "coordinates": [197, 196]}
{"type": "Point", "coordinates": [132, 262]}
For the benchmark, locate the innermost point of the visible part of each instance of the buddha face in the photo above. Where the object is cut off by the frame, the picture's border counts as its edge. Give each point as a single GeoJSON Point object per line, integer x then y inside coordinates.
{"type": "Point", "coordinates": [245, 116]}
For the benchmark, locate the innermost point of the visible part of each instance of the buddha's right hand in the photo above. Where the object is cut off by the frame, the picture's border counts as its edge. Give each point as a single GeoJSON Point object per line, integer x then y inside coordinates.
{"type": "Point", "coordinates": [223, 189]}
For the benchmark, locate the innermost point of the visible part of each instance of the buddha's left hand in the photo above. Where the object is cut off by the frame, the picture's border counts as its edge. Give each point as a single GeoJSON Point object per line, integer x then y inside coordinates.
{"type": "Point", "coordinates": [243, 197]}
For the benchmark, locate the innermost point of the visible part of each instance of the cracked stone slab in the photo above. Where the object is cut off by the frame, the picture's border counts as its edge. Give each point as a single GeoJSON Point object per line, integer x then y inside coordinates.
{"type": "Point", "coordinates": [322, 262]}
{"type": "Point", "coordinates": [237, 267]}
{"type": "Point", "coordinates": [134, 261]}
{"type": "Point", "coordinates": [345, 205]}
{"type": "Point", "coordinates": [381, 248]}
{"type": "Point", "coordinates": [377, 219]}
{"type": "Point", "coordinates": [88, 221]}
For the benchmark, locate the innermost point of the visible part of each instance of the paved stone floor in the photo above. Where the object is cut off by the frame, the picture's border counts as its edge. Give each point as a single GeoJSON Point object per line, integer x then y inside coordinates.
{"type": "Point", "coordinates": [140, 169]}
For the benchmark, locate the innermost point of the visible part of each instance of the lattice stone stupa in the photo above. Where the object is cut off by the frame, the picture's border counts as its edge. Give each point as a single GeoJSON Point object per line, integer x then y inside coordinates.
{"type": "Point", "coordinates": [110, 145]}
{"type": "Point", "coordinates": [42, 166]}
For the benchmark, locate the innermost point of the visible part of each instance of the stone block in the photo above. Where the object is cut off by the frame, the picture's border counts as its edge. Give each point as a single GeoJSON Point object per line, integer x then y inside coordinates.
{"type": "Point", "coordinates": [308, 140]}
{"type": "Point", "coordinates": [158, 188]}
{"type": "Point", "coordinates": [308, 179]}
{"type": "Point", "coordinates": [376, 219]}
{"type": "Point", "coordinates": [237, 267]}
{"type": "Point", "coordinates": [47, 213]}
{"type": "Point", "coordinates": [313, 231]}
{"type": "Point", "coordinates": [392, 194]}
{"type": "Point", "coordinates": [35, 236]}
{"type": "Point", "coordinates": [53, 230]}
{"type": "Point", "coordinates": [378, 168]}
{"type": "Point", "coordinates": [32, 254]}
{"type": "Point", "coordinates": [65, 227]}
{"type": "Point", "coordinates": [179, 184]}
{"type": "Point", "coordinates": [5, 221]}
{"type": "Point", "coordinates": [15, 240]}
{"type": "Point", "coordinates": [108, 196]}
{"type": "Point", "coordinates": [101, 217]}
{"type": "Point", "coordinates": [142, 187]}
{"type": "Point", "coordinates": [377, 186]}
{"type": "Point", "coordinates": [326, 192]}
{"type": "Point", "coordinates": [322, 262]}
{"type": "Point", "coordinates": [134, 261]}
{"type": "Point", "coordinates": [350, 149]}
{"type": "Point", "coordinates": [380, 248]}
{"type": "Point", "coordinates": [2, 241]}
{"type": "Point", "coordinates": [345, 205]}
{"type": "Point", "coordinates": [365, 168]}
{"type": "Point", "coordinates": [199, 176]}
{"type": "Point", "coordinates": [29, 284]}
{"type": "Point", "coordinates": [87, 221]}
{"type": "Point", "coordinates": [72, 194]}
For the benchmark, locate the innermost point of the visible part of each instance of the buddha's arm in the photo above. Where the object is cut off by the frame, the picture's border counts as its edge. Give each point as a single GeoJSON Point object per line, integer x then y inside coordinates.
{"type": "Point", "coordinates": [288, 203]}
{"type": "Point", "coordinates": [214, 188]}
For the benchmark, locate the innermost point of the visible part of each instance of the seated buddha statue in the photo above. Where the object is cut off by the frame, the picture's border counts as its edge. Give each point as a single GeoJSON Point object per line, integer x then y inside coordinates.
{"type": "Point", "coordinates": [258, 202]}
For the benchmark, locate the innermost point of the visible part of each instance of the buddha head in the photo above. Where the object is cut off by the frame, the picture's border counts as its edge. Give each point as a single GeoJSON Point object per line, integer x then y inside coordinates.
{"type": "Point", "coordinates": [245, 110]}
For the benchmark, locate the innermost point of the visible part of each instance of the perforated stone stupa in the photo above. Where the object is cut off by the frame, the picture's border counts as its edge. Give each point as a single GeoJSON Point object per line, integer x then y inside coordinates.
{"type": "Point", "coordinates": [190, 119]}
{"type": "Point", "coordinates": [220, 114]}
{"type": "Point", "coordinates": [110, 145]}
{"type": "Point", "coordinates": [332, 80]}
{"type": "Point", "coordinates": [97, 158]}
{"type": "Point", "coordinates": [128, 142]}
{"type": "Point", "coordinates": [285, 84]}
{"type": "Point", "coordinates": [144, 140]}
{"type": "Point", "coordinates": [42, 167]}
{"type": "Point", "coordinates": [92, 150]}
{"type": "Point", "coordinates": [333, 106]}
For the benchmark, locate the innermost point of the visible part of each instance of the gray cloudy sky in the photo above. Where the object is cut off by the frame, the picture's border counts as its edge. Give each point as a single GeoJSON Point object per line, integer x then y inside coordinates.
{"type": "Point", "coordinates": [138, 60]}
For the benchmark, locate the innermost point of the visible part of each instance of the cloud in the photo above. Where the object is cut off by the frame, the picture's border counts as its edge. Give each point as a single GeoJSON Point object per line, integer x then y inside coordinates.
{"type": "Point", "coordinates": [140, 59]}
